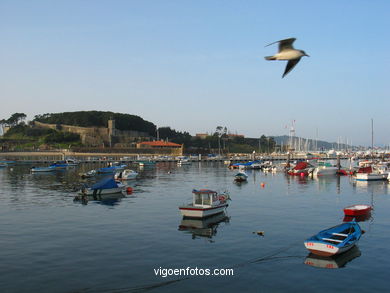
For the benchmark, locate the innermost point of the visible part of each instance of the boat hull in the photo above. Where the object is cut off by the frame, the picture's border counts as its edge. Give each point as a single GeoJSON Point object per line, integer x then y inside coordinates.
{"type": "Point", "coordinates": [191, 211]}
{"type": "Point", "coordinates": [357, 210]}
{"type": "Point", "coordinates": [370, 176]}
{"type": "Point", "coordinates": [325, 249]}
{"type": "Point", "coordinates": [89, 191]}
{"type": "Point", "coordinates": [328, 171]}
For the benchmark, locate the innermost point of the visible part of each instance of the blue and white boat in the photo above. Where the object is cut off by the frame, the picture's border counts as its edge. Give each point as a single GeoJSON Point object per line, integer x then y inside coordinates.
{"type": "Point", "coordinates": [107, 185]}
{"type": "Point", "coordinates": [334, 240]}
{"type": "Point", "coordinates": [42, 169]}
{"type": "Point", "coordinates": [59, 165]}
{"type": "Point", "coordinates": [111, 169]}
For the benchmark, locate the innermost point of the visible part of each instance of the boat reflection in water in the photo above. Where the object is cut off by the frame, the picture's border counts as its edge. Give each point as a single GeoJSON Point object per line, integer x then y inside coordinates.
{"type": "Point", "coordinates": [335, 262]}
{"type": "Point", "coordinates": [105, 199]}
{"type": "Point", "coordinates": [206, 227]}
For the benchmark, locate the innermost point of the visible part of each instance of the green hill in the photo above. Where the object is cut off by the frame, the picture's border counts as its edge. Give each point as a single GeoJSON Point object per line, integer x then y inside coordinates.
{"type": "Point", "coordinates": [98, 119]}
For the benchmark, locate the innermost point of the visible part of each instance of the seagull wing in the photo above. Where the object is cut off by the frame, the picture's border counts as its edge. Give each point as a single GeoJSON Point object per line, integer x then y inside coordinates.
{"type": "Point", "coordinates": [286, 44]}
{"type": "Point", "coordinates": [290, 65]}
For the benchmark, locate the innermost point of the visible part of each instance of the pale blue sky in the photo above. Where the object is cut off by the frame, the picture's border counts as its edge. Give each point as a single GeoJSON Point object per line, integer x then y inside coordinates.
{"type": "Point", "coordinates": [193, 65]}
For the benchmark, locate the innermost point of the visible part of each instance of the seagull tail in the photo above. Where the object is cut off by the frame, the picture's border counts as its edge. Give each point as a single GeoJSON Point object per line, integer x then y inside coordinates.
{"type": "Point", "coordinates": [270, 58]}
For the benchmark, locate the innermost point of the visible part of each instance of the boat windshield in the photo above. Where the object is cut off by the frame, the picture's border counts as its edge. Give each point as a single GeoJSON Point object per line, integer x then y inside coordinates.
{"type": "Point", "coordinates": [204, 198]}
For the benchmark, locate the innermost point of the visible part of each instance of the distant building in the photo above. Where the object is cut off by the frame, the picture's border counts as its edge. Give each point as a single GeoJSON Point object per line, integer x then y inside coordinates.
{"type": "Point", "coordinates": [160, 144]}
{"type": "Point", "coordinates": [201, 135]}
{"type": "Point", "coordinates": [231, 135]}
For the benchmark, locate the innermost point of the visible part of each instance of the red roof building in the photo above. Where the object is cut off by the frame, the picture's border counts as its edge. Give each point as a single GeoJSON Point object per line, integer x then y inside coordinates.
{"type": "Point", "coordinates": [158, 144]}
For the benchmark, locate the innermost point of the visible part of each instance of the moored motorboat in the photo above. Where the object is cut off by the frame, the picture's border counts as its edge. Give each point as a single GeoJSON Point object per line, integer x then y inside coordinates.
{"type": "Point", "coordinates": [301, 169]}
{"type": "Point", "coordinates": [357, 210]}
{"type": "Point", "coordinates": [205, 203]}
{"type": "Point", "coordinates": [60, 165]}
{"type": "Point", "coordinates": [373, 176]}
{"type": "Point", "coordinates": [325, 169]}
{"type": "Point", "coordinates": [334, 240]}
{"type": "Point", "coordinates": [147, 163]}
{"type": "Point", "coordinates": [184, 161]}
{"type": "Point", "coordinates": [110, 169]}
{"type": "Point", "coordinates": [126, 174]}
{"type": "Point", "coordinates": [88, 174]}
{"type": "Point", "coordinates": [42, 169]}
{"type": "Point", "coordinates": [241, 177]}
{"type": "Point", "coordinates": [105, 186]}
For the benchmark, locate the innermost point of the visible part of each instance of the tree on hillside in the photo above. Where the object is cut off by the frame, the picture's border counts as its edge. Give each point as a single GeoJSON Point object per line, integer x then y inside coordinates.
{"type": "Point", "coordinates": [14, 120]}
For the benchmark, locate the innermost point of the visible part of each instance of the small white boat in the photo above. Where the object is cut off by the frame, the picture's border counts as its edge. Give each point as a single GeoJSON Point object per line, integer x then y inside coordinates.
{"type": "Point", "coordinates": [325, 169]}
{"type": "Point", "coordinates": [126, 174]}
{"type": "Point", "coordinates": [88, 174]}
{"type": "Point", "coordinates": [205, 203]}
{"type": "Point", "coordinates": [370, 176]}
{"type": "Point", "coordinates": [105, 186]}
{"type": "Point", "coordinates": [2, 165]}
{"type": "Point", "coordinates": [241, 177]}
{"type": "Point", "coordinates": [147, 163]}
{"type": "Point", "coordinates": [184, 162]}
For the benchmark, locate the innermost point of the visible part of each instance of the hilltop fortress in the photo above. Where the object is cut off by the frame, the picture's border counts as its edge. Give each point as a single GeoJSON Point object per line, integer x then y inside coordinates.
{"type": "Point", "coordinates": [98, 136]}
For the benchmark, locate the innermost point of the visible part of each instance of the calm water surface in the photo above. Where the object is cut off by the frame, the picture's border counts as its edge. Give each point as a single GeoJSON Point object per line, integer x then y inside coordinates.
{"type": "Point", "coordinates": [49, 243]}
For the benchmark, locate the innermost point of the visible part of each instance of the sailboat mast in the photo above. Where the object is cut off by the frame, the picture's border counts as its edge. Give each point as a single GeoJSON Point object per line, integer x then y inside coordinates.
{"type": "Point", "coordinates": [372, 134]}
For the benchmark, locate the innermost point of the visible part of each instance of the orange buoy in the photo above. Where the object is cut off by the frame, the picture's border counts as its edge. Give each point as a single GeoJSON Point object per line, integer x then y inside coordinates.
{"type": "Point", "coordinates": [129, 190]}
{"type": "Point", "coordinates": [262, 184]}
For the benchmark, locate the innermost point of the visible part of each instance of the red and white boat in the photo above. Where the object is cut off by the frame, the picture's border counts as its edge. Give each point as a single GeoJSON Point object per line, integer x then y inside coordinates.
{"type": "Point", "coordinates": [357, 210]}
{"type": "Point", "coordinates": [301, 169]}
{"type": "Point", "coordinates": [205, 203]}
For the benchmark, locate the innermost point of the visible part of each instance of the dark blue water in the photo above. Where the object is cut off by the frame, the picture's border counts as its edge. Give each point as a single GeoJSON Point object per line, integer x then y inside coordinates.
{"type": "Point", "coordinates": [49, 243]}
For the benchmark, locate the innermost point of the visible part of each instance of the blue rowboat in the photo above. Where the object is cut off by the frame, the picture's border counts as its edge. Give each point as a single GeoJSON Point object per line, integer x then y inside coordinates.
{"type": "Point", "coordinates": [335, 240]}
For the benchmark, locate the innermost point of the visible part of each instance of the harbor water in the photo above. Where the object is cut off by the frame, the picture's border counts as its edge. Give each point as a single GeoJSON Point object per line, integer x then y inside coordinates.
{"type": "Point", "coordinates": [51, 243]}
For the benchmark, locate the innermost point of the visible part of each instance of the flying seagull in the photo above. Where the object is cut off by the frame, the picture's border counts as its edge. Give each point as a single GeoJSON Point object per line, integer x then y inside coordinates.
{"type": "Point", "coordinates": [287, 52]}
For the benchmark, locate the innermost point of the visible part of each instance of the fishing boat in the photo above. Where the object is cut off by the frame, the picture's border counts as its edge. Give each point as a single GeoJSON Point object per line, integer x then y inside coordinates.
{"type": "Point", "coordinates": [126, 174]}
{"type": "Point", "coordinates": [205, 203]}
{"type": "Point", "coordinates": [335, 240]}
{"type": "Point", "coordinates": [105, 186]}
{"type": "Point", "coordinates": [42, 169]}
{"type": "Point", "coordinates": [357, 210]}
